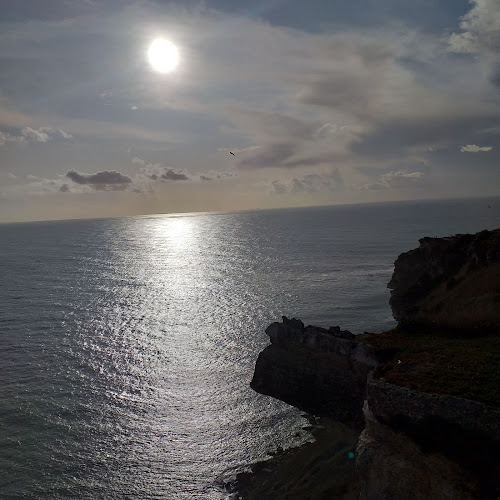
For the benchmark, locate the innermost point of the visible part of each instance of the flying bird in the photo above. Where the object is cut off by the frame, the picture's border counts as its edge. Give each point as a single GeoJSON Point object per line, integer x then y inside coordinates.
{"type": "Point", "coordinates": [231, 153]}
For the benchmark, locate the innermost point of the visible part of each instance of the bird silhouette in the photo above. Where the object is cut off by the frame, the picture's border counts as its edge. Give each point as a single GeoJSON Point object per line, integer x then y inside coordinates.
{"type": "Point", "coordinates": [231, 153]}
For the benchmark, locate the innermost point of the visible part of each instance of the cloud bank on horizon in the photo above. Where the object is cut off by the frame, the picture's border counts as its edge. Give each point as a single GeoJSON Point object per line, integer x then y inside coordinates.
{"type": "Point", "coordinates": [319, 104]}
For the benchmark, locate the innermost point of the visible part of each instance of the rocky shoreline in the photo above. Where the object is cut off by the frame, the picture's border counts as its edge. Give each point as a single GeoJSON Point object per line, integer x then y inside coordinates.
{"type": "Point", "coordinates": [421, 402]}
{"type": "Point", "coordinates": [306, 471]}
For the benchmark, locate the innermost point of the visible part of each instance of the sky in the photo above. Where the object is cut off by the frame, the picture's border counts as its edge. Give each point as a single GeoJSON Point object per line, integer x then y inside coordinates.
{"type": "Point", "coordinates": [320, 102]}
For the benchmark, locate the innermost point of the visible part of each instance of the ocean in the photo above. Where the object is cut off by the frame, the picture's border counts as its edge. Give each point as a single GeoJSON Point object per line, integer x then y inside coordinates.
{"type": "Point", "coordinates": [127, 345]}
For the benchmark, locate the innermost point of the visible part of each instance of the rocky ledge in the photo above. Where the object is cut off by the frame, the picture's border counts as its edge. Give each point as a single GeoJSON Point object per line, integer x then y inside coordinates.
{"type": "Point", "coordinates": [425, 394]}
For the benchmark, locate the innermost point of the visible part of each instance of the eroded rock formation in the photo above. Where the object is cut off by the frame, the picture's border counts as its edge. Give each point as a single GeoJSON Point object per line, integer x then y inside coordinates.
{"type": "Point", "coordinates": [318, 370]}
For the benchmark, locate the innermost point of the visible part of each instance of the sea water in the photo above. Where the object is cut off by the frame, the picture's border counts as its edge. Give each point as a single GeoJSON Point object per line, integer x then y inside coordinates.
{"type": "Point", "coordinates": [127, 345]}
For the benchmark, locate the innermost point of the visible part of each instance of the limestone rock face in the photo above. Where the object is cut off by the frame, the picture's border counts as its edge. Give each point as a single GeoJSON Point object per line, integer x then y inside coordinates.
{"type": "Point", "coordinates": [318, 370]}
{"type": "Point", "coordinates": [452, 282]}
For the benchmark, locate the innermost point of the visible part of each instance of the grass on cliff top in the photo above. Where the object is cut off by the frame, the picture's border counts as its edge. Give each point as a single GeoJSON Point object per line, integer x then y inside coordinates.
{"type": "Point", "coordinates": [442, 361]}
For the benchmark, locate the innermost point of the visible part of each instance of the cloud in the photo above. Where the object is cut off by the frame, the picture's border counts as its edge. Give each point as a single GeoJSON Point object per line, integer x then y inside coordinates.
{"type": "Point", "coordinates": [36, 186]}
{"type": "Point", "coordinates": [480, 35]}
{"type": "Point", "coordinates": [272, 155]}
{"type": "Point", "coordinates": [239, 150]}
{"type": "Point", "coordinates": [344, 95]}
{"type": "Point", "coordinates": [396, 179]}
{"type": "Point", "coordinates": [8, 175]}
{"type": "Point", "coordinates": [171, 175]}
{"type": "Point", "coordinates": [105, 180]}
{"type": "Point", "coordinates": [480, 28]}
{"type": "Point", "coordinates": [29, 135]}
{"type": "Point", "coordinates": [472, 148]}
{"type": "Point", "coordinates": [6, 137]}
{"type": "Point", "coordinates": [161, 173]}
{"type": "Point", "coordinates": [44, 134]}
{"type": "Point", "coordinates": [213, 175]}
{"type": "Point", "coordinates": [309, 183]}
{"type": "Point", "coordinates": [436, 129]}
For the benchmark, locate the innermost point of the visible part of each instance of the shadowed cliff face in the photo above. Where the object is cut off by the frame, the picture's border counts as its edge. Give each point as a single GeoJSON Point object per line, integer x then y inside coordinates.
{"type": "Point", "coordinates": [432, 445]}
{"type": "Point", "coordinates": [318, 370]}
{"type": "Point", "coordinates": [452, 282]}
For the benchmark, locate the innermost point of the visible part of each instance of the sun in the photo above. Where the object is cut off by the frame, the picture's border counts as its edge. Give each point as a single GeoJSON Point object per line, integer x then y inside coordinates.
{"type": "Point", "coordinates": [163, 55]}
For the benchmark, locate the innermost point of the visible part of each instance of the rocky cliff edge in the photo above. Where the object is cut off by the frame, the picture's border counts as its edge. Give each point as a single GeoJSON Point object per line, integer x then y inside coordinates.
{"type": "Point", "coordinates": [425, 393]}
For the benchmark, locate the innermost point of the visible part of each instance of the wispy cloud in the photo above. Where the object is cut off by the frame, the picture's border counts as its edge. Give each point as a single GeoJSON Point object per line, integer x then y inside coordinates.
{"type": "Point", "coordinates": [309, 183]}
{"type": "Point", "coordinates": [239, 150]}
{"type": "Point", "coordinates": [296, 103]}
{"type": "Point", "coordinates": [396, 179]}
{"type": "Point", "coordinates": [29, 134]}
{"type": "Point", "coordinates": [472, 148]}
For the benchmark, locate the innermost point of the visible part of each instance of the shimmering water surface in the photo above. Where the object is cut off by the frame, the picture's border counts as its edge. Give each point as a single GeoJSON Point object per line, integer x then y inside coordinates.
{"type": "Point", "coordinates": [127, 345]}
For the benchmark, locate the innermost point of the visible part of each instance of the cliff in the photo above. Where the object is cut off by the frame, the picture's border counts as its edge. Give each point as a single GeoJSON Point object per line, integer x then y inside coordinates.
{"type": "Point", "coordinates": [317, 370]}
{"type": "Point", "coordinates": [425, 394]}
{"type": "Point", "coordinates": [422, 445]}
{"type": "Point", "coordinates": [452, 282]}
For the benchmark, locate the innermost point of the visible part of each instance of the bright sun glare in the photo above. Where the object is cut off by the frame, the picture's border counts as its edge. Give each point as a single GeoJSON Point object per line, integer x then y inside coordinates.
{"type": "Point", "coordinates": [163, 55]}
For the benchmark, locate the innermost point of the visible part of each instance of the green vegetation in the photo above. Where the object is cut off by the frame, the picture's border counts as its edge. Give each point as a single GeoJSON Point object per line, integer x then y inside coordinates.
{"type": "Point", "coordinates": [463, 364]}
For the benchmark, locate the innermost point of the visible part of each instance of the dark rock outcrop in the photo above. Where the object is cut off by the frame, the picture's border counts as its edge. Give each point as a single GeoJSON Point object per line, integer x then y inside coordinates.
{"type": "Point", "coordinates": [318, 370]}
{"type": "Point", "coordinates": [453, 282]}
{"type": "Point", "coordinates": [432, 445]}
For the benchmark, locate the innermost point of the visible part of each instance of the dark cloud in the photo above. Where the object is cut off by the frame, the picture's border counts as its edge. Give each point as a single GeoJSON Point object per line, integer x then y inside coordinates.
{"type": "Point", "coordinates": [342, 92]}
{"type": "Point", "coordinates": [172, 175]}
{"type": "Point", "coordinates": [397, 136]}
{"type": "Point", "coordinates": [494, 75]}
{"type": "Point", "coordinates": [159, 172]}
{"type": "Point", "coordinates": [101, 179]}
{"type": "Point", "coordinates": [64, 188]}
